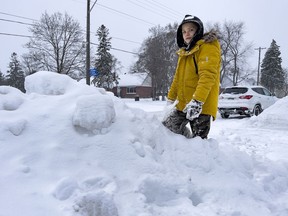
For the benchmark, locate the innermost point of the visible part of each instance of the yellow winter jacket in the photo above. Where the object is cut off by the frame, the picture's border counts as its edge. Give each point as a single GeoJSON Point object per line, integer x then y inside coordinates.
{"type": "Point", "coordinates": [202, 86]}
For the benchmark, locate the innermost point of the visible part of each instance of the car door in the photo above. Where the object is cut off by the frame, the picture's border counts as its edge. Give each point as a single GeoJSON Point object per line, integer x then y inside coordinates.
{"type": "Point", "coordinates": [271, 99]}
{"type": "Point", "coordinates": [263, 99]}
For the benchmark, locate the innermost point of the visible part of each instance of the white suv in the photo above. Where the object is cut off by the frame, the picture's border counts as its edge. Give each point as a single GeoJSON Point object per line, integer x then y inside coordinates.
{"type": "Point", "coordinates": [244, 100]}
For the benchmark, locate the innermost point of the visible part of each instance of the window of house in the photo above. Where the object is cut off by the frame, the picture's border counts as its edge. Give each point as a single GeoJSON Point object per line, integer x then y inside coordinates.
{"type": "Point", "coordinates": [131, 90]}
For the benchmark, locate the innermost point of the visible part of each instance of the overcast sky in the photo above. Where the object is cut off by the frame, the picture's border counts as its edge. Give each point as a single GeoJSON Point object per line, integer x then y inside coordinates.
{"type": "Point", "coordinates": [128, 21]}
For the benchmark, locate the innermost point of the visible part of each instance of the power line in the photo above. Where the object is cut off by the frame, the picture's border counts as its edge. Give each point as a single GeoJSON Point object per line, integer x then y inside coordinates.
{"type": "Point", "coordinates": [158, 8]}
{"type": "Point", "coordinates": [148, 9]}
{"type": "Point", "coordinates": [122, 13]}
{"type": "Point", "coordinates": [24, 23]}
{"type": "Point", "coordinates": [126, 40]}
{"type": "Point", "coordinates": [147, 22]}
{"type": "Point", "coordinates": [165, 8]}
{"type": "Point", "coordinates": [117, 49]}
{"type": "Point", "coordinates": [13, 21]}
{"type": "Point", "coordinates": [16, 35]}
{"type": "Point", "coordinates": [121, 50]}
{"type": "Point", "coordinates": [93, 6]}
{"type": "Point", "coordinates": [152, 4]}
{"type": "Point", "coordinates": [26, 36]}
{"type": "Point", "coordinates": [13, 15]}
{"type": "Point", "coordinates": [161, 6]}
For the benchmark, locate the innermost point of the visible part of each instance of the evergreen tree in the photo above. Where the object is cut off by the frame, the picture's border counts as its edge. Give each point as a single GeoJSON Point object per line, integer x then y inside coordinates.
{"type": "Point", "coordinates": [104, 61]}
{"type": "Point", "coordinates": [2, 79]}
{"type": "Point", "coordinates": [15, 73]}
{"type": "Point", "coordinates": [272, 74]}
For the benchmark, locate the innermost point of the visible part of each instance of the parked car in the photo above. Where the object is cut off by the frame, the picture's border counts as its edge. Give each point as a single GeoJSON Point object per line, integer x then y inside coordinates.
{"type": "Point", "coordinates": [244, 100]}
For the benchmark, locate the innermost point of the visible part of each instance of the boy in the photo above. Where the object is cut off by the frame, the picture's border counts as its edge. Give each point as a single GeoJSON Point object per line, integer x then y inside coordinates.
{"type": "Point", "coordinates": [196, 81]}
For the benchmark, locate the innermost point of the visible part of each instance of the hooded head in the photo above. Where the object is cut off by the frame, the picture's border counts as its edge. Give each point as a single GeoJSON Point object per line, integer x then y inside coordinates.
{"type": "Point", "coordinates": [197, 36]}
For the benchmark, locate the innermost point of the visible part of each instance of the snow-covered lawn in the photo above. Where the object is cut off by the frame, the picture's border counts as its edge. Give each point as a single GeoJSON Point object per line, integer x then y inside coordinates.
{"type": "Point", "coordinates": [68, 149]}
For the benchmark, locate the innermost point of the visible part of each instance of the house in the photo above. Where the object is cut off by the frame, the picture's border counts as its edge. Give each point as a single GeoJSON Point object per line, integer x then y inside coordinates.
{"type": "Point", "coordinates": [136, 85]}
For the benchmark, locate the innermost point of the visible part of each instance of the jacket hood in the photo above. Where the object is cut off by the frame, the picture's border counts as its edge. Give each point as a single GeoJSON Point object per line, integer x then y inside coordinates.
{"type": "Point", "coordinates": [210, 36]}
{"type": "Point", "coordinates": [198, 35]}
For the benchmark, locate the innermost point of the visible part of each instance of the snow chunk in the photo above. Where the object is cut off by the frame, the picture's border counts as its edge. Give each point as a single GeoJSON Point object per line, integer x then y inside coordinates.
{"type": "Point", "coordinates": [24, 169]}
{"type": "Point", "coordinates": [48, 83]}
{"type": "Point", "coordinates": [95, 183]}
{"type": "Point", "coordinates": [96, 204]}
{"type": "Point", "coordinates": [65, 188]}
{"type": "Point", "coordinates": [94, 112]}
{"type": "Point", "coordinates": [10, 98]}
{"type": "Point", "coordinates": [139, 149]}
{"type": "Point", "coordinates": [158, 190]}
{"type": "Point", "coordinates": [17, 127]}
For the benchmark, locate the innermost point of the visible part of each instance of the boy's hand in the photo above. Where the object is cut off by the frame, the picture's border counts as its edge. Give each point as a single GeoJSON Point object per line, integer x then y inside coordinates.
{"type": "Point", "coordinates": [193, 109]}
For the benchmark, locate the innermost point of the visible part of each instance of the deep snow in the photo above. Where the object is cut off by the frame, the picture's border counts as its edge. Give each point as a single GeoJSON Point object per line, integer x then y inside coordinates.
{"type": "Point", "coordinates": [68, 149]}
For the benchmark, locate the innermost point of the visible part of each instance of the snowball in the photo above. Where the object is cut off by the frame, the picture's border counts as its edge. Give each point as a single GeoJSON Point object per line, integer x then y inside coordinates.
{"type": "Point", "coordinates": [94, 112]}
{"type": "Point", "coordinates": [10, 98]}
{"type": "Point", "coordinates": [48, 83]}
{"type": "Point", "coordinates": [139, 149]}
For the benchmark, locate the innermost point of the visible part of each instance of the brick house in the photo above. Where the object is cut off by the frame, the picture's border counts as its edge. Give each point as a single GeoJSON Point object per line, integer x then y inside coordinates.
{"type": "Point", "coordinates": [136, 85]}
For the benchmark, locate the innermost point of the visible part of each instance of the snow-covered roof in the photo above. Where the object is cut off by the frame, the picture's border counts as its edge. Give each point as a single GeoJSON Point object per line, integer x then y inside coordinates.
{"type": "Point", "coordinates": [135, 79]}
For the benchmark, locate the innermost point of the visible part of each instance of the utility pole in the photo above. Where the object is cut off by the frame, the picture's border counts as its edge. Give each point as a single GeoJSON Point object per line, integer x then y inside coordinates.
{"type": "Point", "coordinates": [88, 41]}
{"type": "Point", "coordinates": [258, 74]}
{"type": "Point", "coordinates": [88, 44]}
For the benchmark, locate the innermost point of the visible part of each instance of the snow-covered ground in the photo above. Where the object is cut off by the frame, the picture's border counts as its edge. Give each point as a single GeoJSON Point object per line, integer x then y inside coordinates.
{"type": "Point", "coordinates": [68, 149]}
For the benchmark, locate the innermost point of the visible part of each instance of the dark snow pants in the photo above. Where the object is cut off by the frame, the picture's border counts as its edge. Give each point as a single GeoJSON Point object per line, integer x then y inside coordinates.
{"type": "Point", "coordinates": [177, 123]}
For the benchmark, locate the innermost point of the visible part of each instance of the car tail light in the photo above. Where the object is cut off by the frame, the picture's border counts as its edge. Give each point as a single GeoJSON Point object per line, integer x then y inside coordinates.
{"type": "Point", "coordinates": [246, 97]}
{"type": "Point", "coordinates": [243, 108]}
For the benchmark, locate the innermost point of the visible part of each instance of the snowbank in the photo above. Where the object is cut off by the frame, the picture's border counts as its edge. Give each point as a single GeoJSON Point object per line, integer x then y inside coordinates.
{"type": "Point", "coordinates": [77, 150]}
{"type": "Point", "coordinates": [275, 115]}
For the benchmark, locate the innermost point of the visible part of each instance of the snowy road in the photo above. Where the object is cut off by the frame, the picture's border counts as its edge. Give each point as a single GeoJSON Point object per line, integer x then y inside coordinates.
{"type": "Point", "coordinates": [269, 142]}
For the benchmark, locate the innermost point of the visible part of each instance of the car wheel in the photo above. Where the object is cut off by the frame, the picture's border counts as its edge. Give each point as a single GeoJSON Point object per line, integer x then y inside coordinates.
{"type": "Point", "coordinates": [225, 115]}
{"type": "Point", "coordinates": [257, 110]}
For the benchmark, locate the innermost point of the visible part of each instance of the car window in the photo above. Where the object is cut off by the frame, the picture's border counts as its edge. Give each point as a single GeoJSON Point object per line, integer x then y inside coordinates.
{"type": "Point", "coordinates": [258, 90]}
{"type": "Point", "coordinates": [233, 90]}
{"type": "Point", "coordinates": [267, 92]}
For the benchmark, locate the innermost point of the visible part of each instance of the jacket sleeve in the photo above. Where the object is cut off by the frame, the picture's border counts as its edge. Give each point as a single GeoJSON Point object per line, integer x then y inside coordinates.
{"type": "Point", "coordinates": [208, 64]}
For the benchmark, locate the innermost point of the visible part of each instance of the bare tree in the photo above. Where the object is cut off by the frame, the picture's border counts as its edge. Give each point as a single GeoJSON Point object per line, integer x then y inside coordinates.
{"type": "Point", "coordinates": [29, 65]}
{"type": "Point", "coordinates": [225, 43]}
{"type": "Point", "coordinates": [234, 50]}
{"type": "Point", "coordinates": [56, 45]}
{"type": "Point", "coordinates": [237, 47]}
{"type": "Point", "coordinates": [157, 57]}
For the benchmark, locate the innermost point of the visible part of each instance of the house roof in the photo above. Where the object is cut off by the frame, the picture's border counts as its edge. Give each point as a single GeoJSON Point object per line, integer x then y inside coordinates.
{"type": "Point", "coordinates": [135, 79]}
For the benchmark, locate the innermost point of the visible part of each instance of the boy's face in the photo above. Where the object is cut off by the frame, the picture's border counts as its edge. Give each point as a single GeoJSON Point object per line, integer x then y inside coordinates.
{"type": "Point", "coordinates": [188, 31]}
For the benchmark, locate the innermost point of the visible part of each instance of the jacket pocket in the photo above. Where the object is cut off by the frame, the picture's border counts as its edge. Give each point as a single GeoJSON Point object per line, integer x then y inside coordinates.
{"type": "Point", "coordinates": [189, 89]}
{"type": "Point", "coordinates": [191, 83]}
